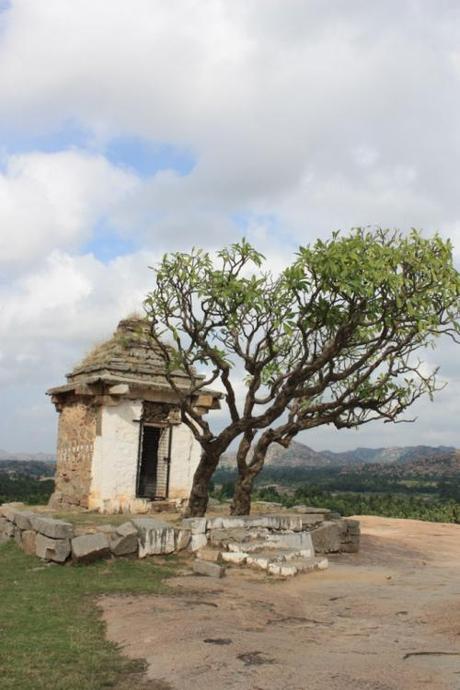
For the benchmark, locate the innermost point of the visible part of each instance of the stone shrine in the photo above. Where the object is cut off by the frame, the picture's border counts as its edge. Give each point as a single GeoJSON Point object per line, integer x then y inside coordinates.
{"type": "Point", "coordinates": [121, 442]}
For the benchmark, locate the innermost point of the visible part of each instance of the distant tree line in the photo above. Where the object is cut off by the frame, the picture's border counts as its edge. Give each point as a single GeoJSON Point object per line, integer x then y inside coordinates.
{"type": "Point", "coordinates": [430, 498]}
{"type": "Point", "coordinates": [25, 489]}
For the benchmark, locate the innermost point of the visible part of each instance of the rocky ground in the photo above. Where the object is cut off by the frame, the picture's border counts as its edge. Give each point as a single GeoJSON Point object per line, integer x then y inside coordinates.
{"type": "Point", "coordinates": [387, 618]}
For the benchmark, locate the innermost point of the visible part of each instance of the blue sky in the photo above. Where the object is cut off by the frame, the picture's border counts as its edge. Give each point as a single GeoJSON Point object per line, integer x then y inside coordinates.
{"type": "Point", "coordinates": [158, 126]}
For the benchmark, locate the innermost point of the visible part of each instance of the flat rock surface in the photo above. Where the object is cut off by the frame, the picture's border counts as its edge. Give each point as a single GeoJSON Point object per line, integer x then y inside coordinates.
{"type": "Point", "coordinates": [387, 618]}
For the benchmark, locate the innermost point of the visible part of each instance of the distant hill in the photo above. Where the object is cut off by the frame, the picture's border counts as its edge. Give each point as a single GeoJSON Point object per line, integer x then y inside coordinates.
{"type": "Point", "coordinates": [300, 455]}
{"type": "Point", "coordinates": [383, 456]}
{"type": "Point", "coordinates": [40, 457]}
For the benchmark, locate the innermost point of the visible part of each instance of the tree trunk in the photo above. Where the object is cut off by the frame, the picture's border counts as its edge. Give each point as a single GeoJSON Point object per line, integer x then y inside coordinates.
{"type": "Point", "coordinates": [199, 495]}
{"type": "Point", "coordinates": [241, 504]}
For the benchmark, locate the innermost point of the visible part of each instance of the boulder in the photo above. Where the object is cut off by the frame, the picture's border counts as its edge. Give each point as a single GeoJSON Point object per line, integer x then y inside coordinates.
{"type": "Point", "coordinates": [56, 529]}
{"type": "Point", "coordinates": [155, 537]}
{"type": "Point", "coordinates": [57, 550]}
{"type": "Point", "coordinates": [90, 547]}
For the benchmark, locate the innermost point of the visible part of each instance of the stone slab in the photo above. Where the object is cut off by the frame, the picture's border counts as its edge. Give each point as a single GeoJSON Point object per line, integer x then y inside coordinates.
{"type": "Point", "coordinates": [57, 550]}
{"type": "Point", "coordinates": [183, 538]}
{"type": "Point", "coordinates": [207, 568]}
{"type": "Point", "coordinates": [195, 525]}
{"type": "Point", "coordinates": [55, 529]}
{"type": "Point", "coordinates": [90, 547]}
{"type": "Point", "coordinates": [123, 545]}
{"type": "Point", "coordinates": [234, 557]}
{"type": "Point", "coordinates": [155, 537]}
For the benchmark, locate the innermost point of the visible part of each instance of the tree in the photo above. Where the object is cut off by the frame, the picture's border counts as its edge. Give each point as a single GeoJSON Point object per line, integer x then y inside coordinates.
{"type": "Point", "coordinates": [332, 340]}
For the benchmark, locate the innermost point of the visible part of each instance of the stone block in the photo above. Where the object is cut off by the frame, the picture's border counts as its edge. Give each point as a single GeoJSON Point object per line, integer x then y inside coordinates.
{"type": "Point", "coordinates": [56, 529]}
{"type": "Point", "coordinates": [126, 529]}
{"type": "Point", "coordinates": [258, 562]}
{"type": "Point", "coordinates": [233, 522]}
{"type": "Point", "coordinates": [197, 542]}
{"type": "Point", "coordinates": [90, 547]}
{"type": "Point", "coordinates": [107, 529]}
{"type": "Point", "coordinates": [4, 523]}
{"type": "Point", "coordinates": [123, 545]}
{"type": "Point", "coordinates": [9, 529]}
{"type": "Point", "coordinates": [8, 510]}
{"type": "Point", "coordinates": [183, 537]}
{"type": "Point", "coordinates": [281, 569]}
{"type": "Point", "coordinates": [155, 537]}
{"type": "Point", "coordinates": [49, 549]}
{"type": "Point", "coordinates": [287, 540]}
{"type": "Point", "coordinates": [234, 557]}
{"type": "Point", "coordinates": [195, 525]}
{"type": "Point", "coordinates": [22, 519]}
{"type": "Point", "coordinates": [327, 538]}
{"type": "Point", "coordinates": [211, 555]}
{"type": "Point", "coordinates": [221, 537]}
{"type": "Point", "coordinates": [207, 568]}
{"type": "Point", "coordinates": [17, 535]}
{"type": "Point", "coordinates": [28, 542]}
{"type": "Point", "coordinates": [215, 523]}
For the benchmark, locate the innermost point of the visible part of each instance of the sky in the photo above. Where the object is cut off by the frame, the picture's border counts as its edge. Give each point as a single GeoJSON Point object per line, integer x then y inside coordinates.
{"type": "Point", "coordinates": [128, 129]}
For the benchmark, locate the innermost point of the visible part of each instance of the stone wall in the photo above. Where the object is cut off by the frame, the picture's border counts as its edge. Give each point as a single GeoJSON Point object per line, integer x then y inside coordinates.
{"type": "Point", "coordinates": [281, 544]}
{"type": "Point", "coordinates": [76, 436]}
{"type": "Point", "coordinates": [59, 541]}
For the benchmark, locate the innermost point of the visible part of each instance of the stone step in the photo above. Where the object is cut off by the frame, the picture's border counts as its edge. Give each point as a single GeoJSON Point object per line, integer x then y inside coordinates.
{"type": "Point", "coordinates": [296, 540]}
{"type": "Point", "coordinates": [295, 567]}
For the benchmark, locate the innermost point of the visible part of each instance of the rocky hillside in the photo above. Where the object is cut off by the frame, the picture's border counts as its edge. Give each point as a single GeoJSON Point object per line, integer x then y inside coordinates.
{"type": "Point", "coordinates": [300, 455]}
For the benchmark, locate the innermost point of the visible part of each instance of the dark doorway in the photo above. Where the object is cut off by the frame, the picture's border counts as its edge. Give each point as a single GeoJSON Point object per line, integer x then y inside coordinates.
{"type": "Point", "coordinates": [148, 465]}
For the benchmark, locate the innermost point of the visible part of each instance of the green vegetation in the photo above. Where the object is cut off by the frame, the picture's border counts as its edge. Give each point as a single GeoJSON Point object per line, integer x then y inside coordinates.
{"type": "Point", "coordinates": [389, 491]}
{"type": "Point", "coordinates": [26, 489]}
{"type": "Point", "coordinates": [51, 633]}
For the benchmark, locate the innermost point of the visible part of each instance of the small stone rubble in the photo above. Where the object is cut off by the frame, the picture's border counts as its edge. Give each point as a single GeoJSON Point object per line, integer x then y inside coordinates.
{"type": "Point", "coordinates": [281, 544]}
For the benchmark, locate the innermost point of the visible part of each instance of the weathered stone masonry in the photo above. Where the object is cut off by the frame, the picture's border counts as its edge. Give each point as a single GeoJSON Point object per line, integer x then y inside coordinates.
{"type": "Point", "coordinates": [121, 441]}
{"type": "Point", "coordinates": [76, 436]}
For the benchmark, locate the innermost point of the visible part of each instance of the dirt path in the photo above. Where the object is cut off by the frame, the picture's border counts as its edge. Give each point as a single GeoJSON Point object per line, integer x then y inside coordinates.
{"type": "Point", "coordinates": [387, 618]}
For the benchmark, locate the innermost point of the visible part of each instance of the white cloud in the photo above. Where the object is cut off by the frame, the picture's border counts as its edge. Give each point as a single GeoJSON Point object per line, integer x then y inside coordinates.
{"type": "Point", "coordinates": [52, 200]}
{"type": "Point", "coordinates": [302, 117]}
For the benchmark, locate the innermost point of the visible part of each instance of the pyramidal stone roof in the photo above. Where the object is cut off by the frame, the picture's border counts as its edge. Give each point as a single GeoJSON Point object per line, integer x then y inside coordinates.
{"type": "Point", "coordinates": [130, 356]}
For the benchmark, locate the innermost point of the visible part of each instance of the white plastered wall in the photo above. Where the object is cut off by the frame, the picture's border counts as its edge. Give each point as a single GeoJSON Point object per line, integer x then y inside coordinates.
{"type": "Point", "coordinates": [115, 458]}
{"type": "Point", "coordinates": [185, 456]}
{"type": "Point", "coordinates": [114, 471]}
